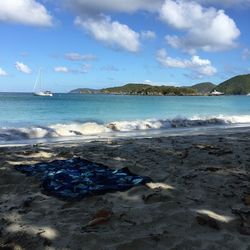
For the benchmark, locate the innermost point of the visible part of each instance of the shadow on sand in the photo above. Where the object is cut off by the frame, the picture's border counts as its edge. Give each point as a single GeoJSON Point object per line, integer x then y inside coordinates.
{"type": "Point", "coordinates": [195, 201]}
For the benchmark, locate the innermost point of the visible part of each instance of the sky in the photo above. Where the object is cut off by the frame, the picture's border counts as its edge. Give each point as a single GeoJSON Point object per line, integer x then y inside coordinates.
{"type": "Point", "coordinates": [104, 43]}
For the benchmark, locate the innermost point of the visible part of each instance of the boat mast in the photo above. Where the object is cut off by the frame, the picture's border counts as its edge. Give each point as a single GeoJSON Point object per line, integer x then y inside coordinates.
{"type": "Point", "coordinates": [38, 81]}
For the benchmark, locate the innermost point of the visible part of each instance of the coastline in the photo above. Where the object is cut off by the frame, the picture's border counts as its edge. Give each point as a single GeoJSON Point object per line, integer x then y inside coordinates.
{"type": "Point", "coordinates": [197, 200]}
{"type": "Point", "coordinates": [137, 134]}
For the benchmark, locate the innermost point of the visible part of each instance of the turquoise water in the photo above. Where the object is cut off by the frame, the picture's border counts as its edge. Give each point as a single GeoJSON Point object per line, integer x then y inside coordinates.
{"type": "Point", "coordinates": [90, 114]}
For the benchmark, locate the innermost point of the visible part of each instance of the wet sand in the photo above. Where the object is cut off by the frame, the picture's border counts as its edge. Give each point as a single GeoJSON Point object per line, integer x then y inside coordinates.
{"type": "Point", "coordinates": [199, 198]}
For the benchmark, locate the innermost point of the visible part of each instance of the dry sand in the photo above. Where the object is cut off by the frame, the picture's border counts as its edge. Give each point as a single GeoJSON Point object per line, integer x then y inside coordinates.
{"type": "Point", "coordinates": [200, 198]}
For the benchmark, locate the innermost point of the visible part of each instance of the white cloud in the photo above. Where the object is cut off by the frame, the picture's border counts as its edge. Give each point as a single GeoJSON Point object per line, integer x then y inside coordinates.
{"type": "Point", "coordinates": [113, 33]}
{"type": "Point", "coordinates": [201, 66]}
{"type": "Point", "coordinates": [82, 70]}
{"type": "Point", "coordinates": [93, 16]}
{"type": "Point", "coordinates": [78, 57]}
{"type": "Point", "coordinates": [3, 72]}
{"type": "Point", "coordinates": [61, 69]}
{"type": "Point", "coordinates": [206, 28]}
{"type": "Point", "coordinates": [23, 68]}
{"type": "Point", "coordinates": [29, 12]}
{"type": "Point", "coordinates": [148, 35]}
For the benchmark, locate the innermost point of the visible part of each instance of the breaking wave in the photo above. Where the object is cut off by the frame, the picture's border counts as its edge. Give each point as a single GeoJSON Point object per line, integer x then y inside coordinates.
{"type": "Point", "coordinates": [93, 128]}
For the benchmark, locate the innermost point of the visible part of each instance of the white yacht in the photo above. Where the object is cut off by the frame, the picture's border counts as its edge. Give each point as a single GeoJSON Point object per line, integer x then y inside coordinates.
{"type": "Point", "coordinates": [216, 93]}
{"type": "Point", "coordinates": [37, 91]}
{"type": "Point", "coordinates": [43, 93]}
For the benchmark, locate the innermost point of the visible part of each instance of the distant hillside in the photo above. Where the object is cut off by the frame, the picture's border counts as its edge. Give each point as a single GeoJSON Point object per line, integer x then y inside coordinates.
{"type": "Point", "coordinates": [85, 91]}
{"type": "Point", "coordinates": [128, 88]}
{"type": "Point", "coordinates": [146, 89]}
{"type": "Point", "coordinates": [204, 87]}
{"type": "Point", "coordinates": [238, 85]}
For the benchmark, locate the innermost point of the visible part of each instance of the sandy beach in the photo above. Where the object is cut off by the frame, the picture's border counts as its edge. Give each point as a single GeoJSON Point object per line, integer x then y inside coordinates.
{"type": "Point", "coordinates": [199, 197]}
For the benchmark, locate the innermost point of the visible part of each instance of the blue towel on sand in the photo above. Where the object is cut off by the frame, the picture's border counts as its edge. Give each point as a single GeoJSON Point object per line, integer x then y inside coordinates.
{"type": "Point", "coordinates": [77, 178]}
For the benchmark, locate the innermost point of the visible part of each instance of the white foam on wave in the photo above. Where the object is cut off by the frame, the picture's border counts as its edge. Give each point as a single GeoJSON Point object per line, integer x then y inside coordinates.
{"type": "Point", "coordinates": [92, 128]}
{"type": "Point", "coordinates": [235, 119]}
{"type": "Point", "coordinates": [179, 122]}
{"type": "Point", "coordinates": [126, 126]}
{"type": "Point", "coordinates": [88, 128]}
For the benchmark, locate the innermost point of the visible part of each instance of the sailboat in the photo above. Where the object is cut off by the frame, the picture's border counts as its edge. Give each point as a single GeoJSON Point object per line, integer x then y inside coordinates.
{"type": "Point", "coordinates": [216, 93]}
{"type": "Point", "coordinates": [37, 91]}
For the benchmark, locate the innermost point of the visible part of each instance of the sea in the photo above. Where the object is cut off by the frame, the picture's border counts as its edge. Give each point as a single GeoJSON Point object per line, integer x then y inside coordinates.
{"type": "Point", "coordinates": [33, 119]}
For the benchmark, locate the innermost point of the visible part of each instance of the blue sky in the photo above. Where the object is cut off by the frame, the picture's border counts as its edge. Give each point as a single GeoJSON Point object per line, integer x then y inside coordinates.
{"type": "Point", "coordinates": [95, 44]}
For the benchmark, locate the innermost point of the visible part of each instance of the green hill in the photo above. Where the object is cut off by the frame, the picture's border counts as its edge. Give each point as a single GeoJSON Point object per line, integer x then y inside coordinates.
{"type": "Point", "coordinates": [238, 85]}
{"type": "Point", "coordinates": [204, 87]}
{"type": "Point", "coordinates": [129, 88]}
{"type": "Point", "coordinates": [146, 89]}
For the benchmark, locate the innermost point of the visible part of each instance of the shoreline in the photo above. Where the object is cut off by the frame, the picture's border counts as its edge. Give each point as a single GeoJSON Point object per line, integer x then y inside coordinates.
{"type": "Point", "coordinates": [140, 134]}
{"type": "Point", "coordinates": [198, 198]}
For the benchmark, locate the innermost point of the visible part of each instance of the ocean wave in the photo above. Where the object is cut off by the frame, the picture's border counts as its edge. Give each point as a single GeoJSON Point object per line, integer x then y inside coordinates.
{"type": "Point", "coordinates": [93, 128]}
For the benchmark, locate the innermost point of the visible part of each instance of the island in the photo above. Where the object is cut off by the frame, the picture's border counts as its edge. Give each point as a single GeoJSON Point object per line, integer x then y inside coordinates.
{"type": "Point", "coordinates": [237, 85]}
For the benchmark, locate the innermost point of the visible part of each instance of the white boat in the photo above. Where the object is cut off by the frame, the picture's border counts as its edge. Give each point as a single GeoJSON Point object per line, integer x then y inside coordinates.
{"type": "Point", "coordinates": [216, 93]}
{"type": "Point", "coordinates": [248, 94]}
{"type": "Point", "coordinates": [37, 91]}
{"type": "Point", "coordinates": [43, 93]}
